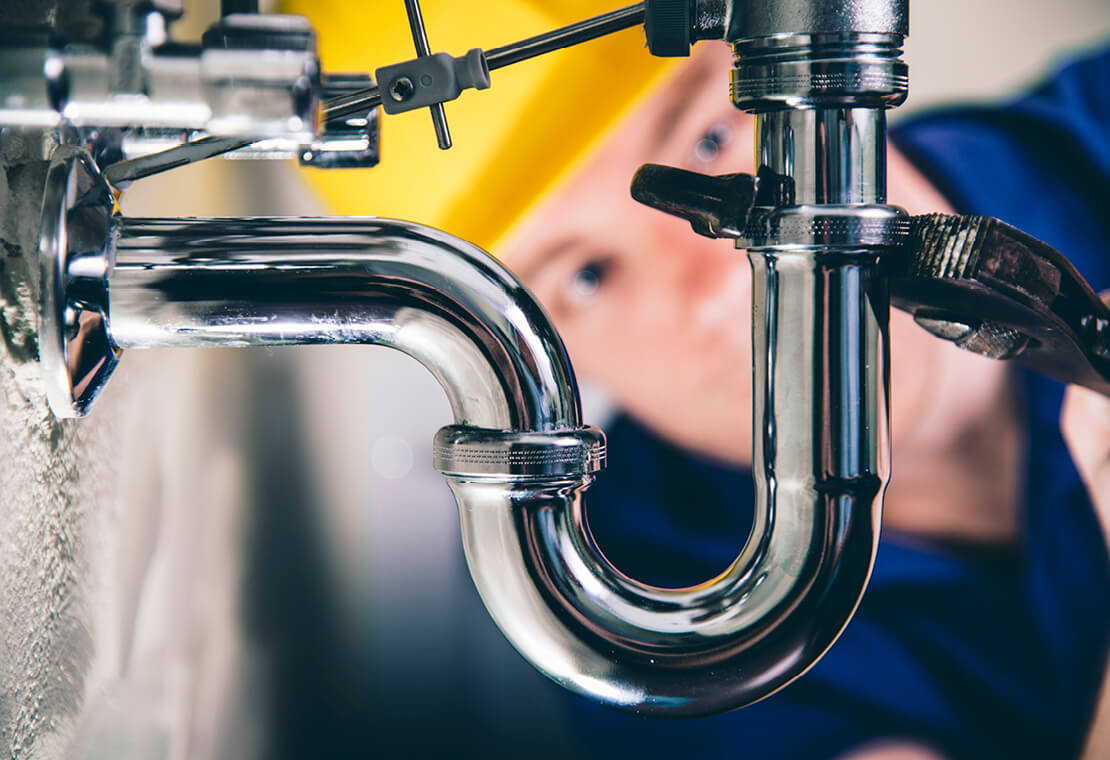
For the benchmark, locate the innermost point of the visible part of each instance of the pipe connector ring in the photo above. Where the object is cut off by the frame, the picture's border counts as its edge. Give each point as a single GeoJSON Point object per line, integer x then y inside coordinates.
{"type": "Point", "coordinates": [851, 226]}
{"type": "Point", "coordinates": [462, 451]}
{"type": "Point", "coordinates": [848, 70]}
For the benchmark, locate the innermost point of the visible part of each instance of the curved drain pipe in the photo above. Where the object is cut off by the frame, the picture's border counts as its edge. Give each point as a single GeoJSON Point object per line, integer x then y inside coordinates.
{"type": "Point", "coordinates": [518, 459]}
{"type": "Point", "coordinates": [821, 453]}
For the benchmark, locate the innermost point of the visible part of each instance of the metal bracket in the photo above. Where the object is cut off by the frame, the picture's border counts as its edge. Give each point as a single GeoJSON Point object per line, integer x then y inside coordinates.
{"type": "Point", "coordinates": [431, 79]}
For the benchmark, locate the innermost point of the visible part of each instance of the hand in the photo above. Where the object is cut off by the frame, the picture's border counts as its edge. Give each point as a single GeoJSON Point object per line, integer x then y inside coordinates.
{"type": "Point", "coordinates": [1086, 425]}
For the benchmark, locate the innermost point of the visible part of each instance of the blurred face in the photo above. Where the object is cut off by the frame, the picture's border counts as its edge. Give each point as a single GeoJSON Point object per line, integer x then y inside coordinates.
{"type": "Point", "coordinates": [660, 316]}
{"type": "Point", "coordinates": [651, 311]}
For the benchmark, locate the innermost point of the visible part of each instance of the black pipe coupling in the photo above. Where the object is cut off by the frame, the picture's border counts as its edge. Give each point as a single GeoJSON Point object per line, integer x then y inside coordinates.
{"type": "Point", "coordinates": [672, 26]}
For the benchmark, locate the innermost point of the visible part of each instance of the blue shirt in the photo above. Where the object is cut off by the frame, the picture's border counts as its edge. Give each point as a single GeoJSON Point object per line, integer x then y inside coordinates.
{"type": "Point", "coordinates": [977, 652]}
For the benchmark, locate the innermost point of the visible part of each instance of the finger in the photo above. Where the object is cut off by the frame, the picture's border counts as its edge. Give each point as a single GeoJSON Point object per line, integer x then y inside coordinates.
{"type": "Point", "coordinates": [1085, 422]}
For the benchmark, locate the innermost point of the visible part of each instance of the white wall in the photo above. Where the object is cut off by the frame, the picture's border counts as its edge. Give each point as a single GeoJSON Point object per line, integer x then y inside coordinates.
{"type": "Point", "coordinates": [975, 49]}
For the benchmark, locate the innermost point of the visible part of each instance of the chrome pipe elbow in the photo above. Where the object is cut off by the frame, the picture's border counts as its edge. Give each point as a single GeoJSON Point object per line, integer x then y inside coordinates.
{"type": "Point", "coordinates": [821, 464]}
{"type": "Point", "coordinates": [111, 283]}
{"type": "Point", "coordinates": [664, 652]}
{"type": "Point", "coordinates": [267, 282]}
{"type": "Point", "coordinates": [518, 458]}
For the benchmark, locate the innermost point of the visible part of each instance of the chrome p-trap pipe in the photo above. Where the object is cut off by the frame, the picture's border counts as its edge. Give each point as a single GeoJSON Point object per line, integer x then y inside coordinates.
{"type": "Point", "coordinates": [518, 458]}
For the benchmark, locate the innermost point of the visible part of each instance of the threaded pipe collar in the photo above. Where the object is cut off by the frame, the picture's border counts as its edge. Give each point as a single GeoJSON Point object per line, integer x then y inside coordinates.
{"type": "Point", "coordinates": [463, 451]}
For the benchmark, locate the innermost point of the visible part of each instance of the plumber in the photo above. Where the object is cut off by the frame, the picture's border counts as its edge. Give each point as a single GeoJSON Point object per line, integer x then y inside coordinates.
{"type": "Point", "coordinates": [984, 630]}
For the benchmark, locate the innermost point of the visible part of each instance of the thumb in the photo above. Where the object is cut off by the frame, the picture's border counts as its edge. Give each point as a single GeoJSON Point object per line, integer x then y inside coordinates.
{"type": "Point", "coordinates": [1085, 422]}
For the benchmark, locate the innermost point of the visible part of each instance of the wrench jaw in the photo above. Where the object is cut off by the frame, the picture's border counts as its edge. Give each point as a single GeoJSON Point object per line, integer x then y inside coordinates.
{"type": "Point", "coordinates": [992, 289]}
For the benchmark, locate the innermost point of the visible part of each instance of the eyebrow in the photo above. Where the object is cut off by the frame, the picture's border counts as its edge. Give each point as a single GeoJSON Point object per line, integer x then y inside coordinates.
{"type": "Point", "coordinates": [677, 104]}
{"type": "Point", "coordinates": [551, 252]}
{"type": "Point", "coordinates": [663, 128]}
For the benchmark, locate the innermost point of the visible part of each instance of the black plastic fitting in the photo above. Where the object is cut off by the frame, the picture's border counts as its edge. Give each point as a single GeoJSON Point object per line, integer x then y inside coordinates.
{"type": "Point", "coordinates": [669, 27]}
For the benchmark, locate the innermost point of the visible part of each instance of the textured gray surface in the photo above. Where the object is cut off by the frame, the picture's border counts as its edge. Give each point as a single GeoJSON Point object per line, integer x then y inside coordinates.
{"type": "Point", "coordinates": [120, 543]}
{"type": "Point", "coordinates": [45, 644]}
{"type": "Point", "coordinates": [50, 488]}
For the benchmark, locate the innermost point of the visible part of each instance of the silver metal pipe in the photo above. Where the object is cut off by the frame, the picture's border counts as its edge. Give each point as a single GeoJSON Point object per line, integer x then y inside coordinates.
{"type": "Point", "coordinates": [518, 459]}
{"type": "Point", "coordinates": [264, 282]}
{"type": "Point", "coordinates": [818, 75]}
{"type": "Point", "coordinates": [834, 155]}
{"type": "Point", "coordinates": [820, 463]}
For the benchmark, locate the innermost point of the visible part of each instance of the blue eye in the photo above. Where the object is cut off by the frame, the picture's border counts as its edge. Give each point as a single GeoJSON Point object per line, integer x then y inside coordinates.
{"type": "Point", "coordinates": [588, 280]}
{"type": "Point", "coordinates": [713, 142]}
